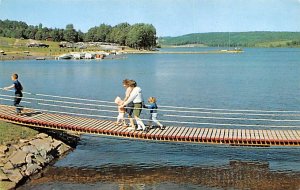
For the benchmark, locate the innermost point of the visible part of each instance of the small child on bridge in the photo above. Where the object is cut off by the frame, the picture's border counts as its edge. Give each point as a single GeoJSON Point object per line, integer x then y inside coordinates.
{"type": "Point", "coordinates": [121, 110]}
{"type": "Point", "coordinates": [18, 92]}
{"type": "Point", "coordinates": [153, 113]}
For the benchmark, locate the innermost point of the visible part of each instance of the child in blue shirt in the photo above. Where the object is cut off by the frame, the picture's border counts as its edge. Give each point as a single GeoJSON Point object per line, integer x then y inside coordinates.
{"type": "Point", "coordinates": [18, 92]}
{"type": "Point", "coordinates": [153, 113]}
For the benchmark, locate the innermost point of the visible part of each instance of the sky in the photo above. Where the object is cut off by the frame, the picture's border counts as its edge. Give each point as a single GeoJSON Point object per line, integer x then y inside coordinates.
{"type": "Point", "coordinates": [169, 17]}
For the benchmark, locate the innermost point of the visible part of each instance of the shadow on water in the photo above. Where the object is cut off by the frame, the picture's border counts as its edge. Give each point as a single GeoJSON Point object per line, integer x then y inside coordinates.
{"type": "Point", "coordinates": [235, 175]}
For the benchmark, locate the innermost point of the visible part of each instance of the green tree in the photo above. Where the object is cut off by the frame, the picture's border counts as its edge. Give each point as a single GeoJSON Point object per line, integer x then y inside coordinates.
{"type": "Point", "coordinates": [38, 35]}
{"type": "Point", "coordinates": [141, 36]}
{"type": "Point", "coordinates": [56, 35]}
{"type": "Point", "coordinates": [30, 32]}
{"type": "Point", "coordinates": [70, 33]}
{"type": "Point", "coordinates": [102, 33]}
{"type": "Point", "coordinates": [119, 33]}
{"type": "Point", "coordinates": [90, 35]}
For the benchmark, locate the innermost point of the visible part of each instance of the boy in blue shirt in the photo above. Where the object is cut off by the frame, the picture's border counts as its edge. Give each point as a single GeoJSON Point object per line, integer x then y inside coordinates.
{"type": "Point", "coordinates": [153, 113]}
{"type": "Point", "coordinates": [18, 92]}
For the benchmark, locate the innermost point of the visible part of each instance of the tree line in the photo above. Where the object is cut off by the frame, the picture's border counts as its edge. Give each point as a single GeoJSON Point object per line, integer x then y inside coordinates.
{"type": "Point", "coordinates": [138, 36]}
{"type": "Point", "coordinates": [236, 39]}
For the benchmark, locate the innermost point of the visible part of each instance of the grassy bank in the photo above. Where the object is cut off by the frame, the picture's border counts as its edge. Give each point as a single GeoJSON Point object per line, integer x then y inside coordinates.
{"type": "Point", "coordinates": [10, 133]}
{"type": "Point", "coordinates": [18, 47]}
{"type": "Point", "coordinates": [13, 48]}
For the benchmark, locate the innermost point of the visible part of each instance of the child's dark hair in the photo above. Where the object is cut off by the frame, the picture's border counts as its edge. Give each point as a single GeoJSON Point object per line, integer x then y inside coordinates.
{"type": "Point", "coordinates": [15, 76]}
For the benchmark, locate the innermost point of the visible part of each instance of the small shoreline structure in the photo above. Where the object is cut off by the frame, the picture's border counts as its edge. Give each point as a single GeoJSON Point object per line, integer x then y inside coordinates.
{"type": "Point", "coordinates": [92, 55]}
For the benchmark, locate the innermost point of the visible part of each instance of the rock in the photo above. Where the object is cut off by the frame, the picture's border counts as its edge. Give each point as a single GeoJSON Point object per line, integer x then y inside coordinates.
{"type": "Point", "coordinates": [2, 176]}
{"type": "Point", "coordinates": [40, 160]}
{"type": "Point", "coordinates": [8, 166]}
{"type": "Point", "coordinates": [23, 141]}
{"type": "Point", "coordinates": [42, 135]}
{"type": "Point", "coordinates": [30, 149]}
{"type": "Point", "coordinates": [42, 144]}
{"type": "Point", "coordinates": [28, 158]}
{"type": "Point", "coordinates": [18, 158]}
{"type": "Point", "coordinates": [32, 169]}
{"type": "Point", "coordinates": [11, 150]}
{"type": "Point", "coordinates": [63, 148]}
{"type": "Point", "coordinates": [56, 143]}
{"type": "Point", "coordinates": [15, 147]}
{"type": "Point", "coordinates": [14, 175]}
{"type": "Point", "coordinates": [7, 185]}
{"type": "Point", "coordinates": [43, 153]}
{"type": "Point", "coordinates": [2, 161]}
{"type": "Point", "coordinates": [3, 149]}
{"type": "Point", "coordinates": [2, 155]}
{"type": "Point", "coordinates": [49, 158]}
{"type": "Point", "coordinates": [22, 170]}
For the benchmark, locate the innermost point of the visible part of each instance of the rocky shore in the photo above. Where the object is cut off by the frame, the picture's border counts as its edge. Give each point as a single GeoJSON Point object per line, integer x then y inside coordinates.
{"type": "Point", "coordinates": [24, 160]}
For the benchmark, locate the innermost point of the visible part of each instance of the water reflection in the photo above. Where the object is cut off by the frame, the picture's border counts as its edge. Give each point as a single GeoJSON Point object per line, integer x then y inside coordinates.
{"type": "Point", "coordinates": [235, 175]}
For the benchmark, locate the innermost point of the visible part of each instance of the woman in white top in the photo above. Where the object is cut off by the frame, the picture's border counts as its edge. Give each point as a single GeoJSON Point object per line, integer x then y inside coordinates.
{"type": "Point", "coordinates": [129, 109]}
{"type": "Point", "coordinates": [137, 98]}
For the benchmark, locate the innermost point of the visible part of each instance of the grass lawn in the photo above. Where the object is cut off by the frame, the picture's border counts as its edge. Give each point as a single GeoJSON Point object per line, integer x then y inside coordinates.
{"type": "Point", "coordinates": [11, 133]}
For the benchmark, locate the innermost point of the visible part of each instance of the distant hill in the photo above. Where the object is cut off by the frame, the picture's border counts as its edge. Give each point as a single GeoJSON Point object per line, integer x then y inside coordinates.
{"type": "Point", "coordinates": [236, 39]}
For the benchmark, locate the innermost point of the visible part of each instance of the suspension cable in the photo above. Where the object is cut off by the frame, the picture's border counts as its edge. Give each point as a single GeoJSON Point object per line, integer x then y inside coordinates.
{"type": "Point", "coordinates": [161, 110]}
{"type": "Point", "coordinates": [169, 121]}
{"type": "Point", "coordinates": [191, 110]}
{"type": "Point", "coordinates": [175, 107]}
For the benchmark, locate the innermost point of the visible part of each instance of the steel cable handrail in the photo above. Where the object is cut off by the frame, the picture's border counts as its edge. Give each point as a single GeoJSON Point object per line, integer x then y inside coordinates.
{"type": "Point", "coordinates": [176, 107]}
{"type": "Point", "coordinates": [166, 115]}
{"type": "Point", "coordinates": [169, 121]}
{"type": "Point", "coordinates": [162, 110]}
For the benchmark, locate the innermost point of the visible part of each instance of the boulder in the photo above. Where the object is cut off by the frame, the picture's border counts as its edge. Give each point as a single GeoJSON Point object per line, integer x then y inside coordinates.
{"type": "Point", "coordinates": [3, 149]}
{"type": "Point", "coordinates": [56, 143]}
{"type": "Point", "coordinates": [14, 175]}
{"type": "Point", "coordinates": [2, 155]}
{"type": "Point", "coordinates": [28, 158]}
{"type": "Point", "coordinates": [30, 149]}
{"type": "Point", "coordinates": [2, 161]}
{"type": "Point", "coordinates": [42, 135]}
{"type": "Point", "coordinates": [23, 141]}
{"type": "Point", "coordinates": [42, 144]}
{"type": "Point", "coordinates": [18, 158]}
{"type": "Point", "coordinates": [63, 148]}
{"type": "Point", "coordinates": [7, 185]}
{"type": "Point", "coordinates": [32, 169]}
{"type": "Point", "coordinates": [43, 153]}
{"type": "Point", "coordinates": [3, 177]}
{"type": "Point", "coordinates": [8, 166]}
{"type": "Point", "coordinates": [40, 160]}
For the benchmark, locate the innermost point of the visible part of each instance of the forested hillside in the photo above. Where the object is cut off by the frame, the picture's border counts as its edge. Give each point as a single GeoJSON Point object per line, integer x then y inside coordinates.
{"type": "Point", "coordinates": [236, 39]}
{"type": "Point", "coordinates": [139, 36]}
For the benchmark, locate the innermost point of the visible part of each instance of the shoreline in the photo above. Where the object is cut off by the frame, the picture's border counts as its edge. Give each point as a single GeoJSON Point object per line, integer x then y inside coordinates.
{"type": "Point", "coordinates": [52, 57]}
{"type": "Point", "coordinates": [30, 156]}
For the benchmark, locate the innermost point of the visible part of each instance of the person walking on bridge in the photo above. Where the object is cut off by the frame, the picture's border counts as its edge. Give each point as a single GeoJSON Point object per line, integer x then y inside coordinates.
{"type": "Point", "coordinates": [18, 92]}
{"type": "Point", "coordinates": [128, 85]}
{"type": "Point", "coordinates": [137, 98]}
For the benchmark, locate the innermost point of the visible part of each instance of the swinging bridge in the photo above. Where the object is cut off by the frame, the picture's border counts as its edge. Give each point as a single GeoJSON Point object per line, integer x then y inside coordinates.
{"type": "Point", "coordinates": [183, 124]}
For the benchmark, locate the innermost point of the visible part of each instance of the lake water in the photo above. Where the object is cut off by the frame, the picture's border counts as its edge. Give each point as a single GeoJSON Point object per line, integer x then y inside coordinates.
{"type": "Point", "coordinates": [224, 87]}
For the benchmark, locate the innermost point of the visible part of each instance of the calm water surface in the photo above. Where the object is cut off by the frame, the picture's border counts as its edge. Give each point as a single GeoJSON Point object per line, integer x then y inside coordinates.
{"type": "Point", "coordinates": [258, 79]}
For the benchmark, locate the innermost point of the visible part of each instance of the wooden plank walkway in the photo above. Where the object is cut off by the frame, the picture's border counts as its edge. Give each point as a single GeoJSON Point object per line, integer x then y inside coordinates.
{"type": "Point", "coordinates": [239, 137]}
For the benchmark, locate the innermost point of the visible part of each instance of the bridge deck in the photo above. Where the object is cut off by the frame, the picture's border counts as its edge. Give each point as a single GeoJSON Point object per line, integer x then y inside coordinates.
{"type": "Point", "coordinates": [246, 137]}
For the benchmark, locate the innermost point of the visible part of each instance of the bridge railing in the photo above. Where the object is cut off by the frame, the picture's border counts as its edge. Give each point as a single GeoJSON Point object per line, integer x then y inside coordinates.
{"type": "Point", "coordinates": [168, 115]}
